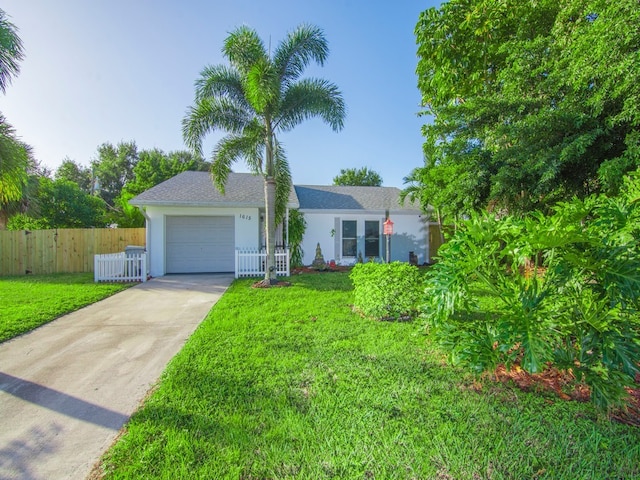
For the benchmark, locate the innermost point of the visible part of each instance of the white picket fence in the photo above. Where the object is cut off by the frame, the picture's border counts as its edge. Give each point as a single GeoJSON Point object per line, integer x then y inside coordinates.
{"type": "Point", "coordinates": [120, 267]}
{"type": "Point", "coordinates": [252, 262]}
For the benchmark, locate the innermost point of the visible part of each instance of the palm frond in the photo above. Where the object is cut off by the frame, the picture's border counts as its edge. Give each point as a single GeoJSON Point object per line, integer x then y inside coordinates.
{"type": "Point", "coordinates": [15, 157]}
{"type": "Point", "coordinates": [231, 149]}
{"type": "Point", "coordinates": [255, 133]}
{"type": "Point", "coordinates": [220, 81]}
{"type": "Point", "coordinates": [262, 87]}
{"type": "Point", "coordinates": [312, 98]}
{"type": "Point", "coordinates": [297, 50]}
{"type": "Point", "coordinates": [210, 114]}
{"type": "Point", "coordinates": [11, 52]}
{"type": "Point", "coordinates": [283, 181]}
{"type": "Point", "coordinates": [243, 47]}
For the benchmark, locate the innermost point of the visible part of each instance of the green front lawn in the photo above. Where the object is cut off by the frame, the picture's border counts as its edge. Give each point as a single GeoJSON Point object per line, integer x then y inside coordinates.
{"type": "Point", "coordinates": [289, 383]}
{"type": "Point", "coordinates": [26, 302]}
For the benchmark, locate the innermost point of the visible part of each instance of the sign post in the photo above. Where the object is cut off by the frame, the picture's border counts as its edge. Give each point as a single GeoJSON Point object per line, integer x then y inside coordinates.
{"type": "Point", "coordinates": [388, 231]}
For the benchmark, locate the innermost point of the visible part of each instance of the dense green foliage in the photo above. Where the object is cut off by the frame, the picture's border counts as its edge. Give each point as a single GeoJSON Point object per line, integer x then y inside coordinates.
{"type": "Point", "coordinates": [15, 155]}
{"type": "Point", "coordinates": [113, 169]}
{"type": "Point", "coordinates": [80, 175]}
{"type": "Point", "coordinates": [296, 228]}
{"type": "Point", "coordinates": [15, 158]}
{"type": "Point", "coordinates": [26, 302]}
{"type": "Point", "coordinates": [561, 290]}
{"type": "Point", "coordinates": [533, 102]}
{"type": "Point", "coordinates": [60, 204]}
{"type": "Point", "coordinates": [98, 195]}
{"type": "Point", "coordinates": [290, 383]}
{"type": "Point", "coordinates": [256, 97]}
{"type": "Point", "coordinates": [63, 204]}
{"type": "Point", "coordinates": [360, 177]}
{"type": "Point", "coordinates": [386, 291]}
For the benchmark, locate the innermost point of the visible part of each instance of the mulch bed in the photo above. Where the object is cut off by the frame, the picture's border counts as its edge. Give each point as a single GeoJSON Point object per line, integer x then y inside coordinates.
{"type": "Point", "coordinates": [337, 268]}
{"type": "Point", "coordinates": [563, 384]}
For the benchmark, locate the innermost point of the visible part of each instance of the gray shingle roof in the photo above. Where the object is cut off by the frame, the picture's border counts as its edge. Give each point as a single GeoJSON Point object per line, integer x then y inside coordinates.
{"type": "Point", "coordinates": [332, 197]}
{"type": "Point", "coordinates": [247, 190]}
{"type": "Point", "coordinates": [197, 189]}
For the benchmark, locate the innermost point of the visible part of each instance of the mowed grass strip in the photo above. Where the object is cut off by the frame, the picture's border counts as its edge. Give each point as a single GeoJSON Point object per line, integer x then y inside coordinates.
{"type": "Point", "coordinates": [26, 302]}
{"type": "Point", "coordinates": [290, 383]}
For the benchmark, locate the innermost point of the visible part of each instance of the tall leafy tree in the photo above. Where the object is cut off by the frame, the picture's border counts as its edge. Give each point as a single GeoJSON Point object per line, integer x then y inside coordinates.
{"type": "Point", "coordinates": [15, 155]}
{"type": "Point", "coordinates": [153, 167]}
{"type": "Point", "coordinates": [74, 172]}
{"type": "Point", "coordinates": [538, 100]}
{"type": "Point", "coordinates": [253, 99]}
{"type": "Point", "coordinates": [113, 169]}
{"type": "Point", "coordinates": [60, 204]}
{"type": "Point", "coordinates": [362, 177]}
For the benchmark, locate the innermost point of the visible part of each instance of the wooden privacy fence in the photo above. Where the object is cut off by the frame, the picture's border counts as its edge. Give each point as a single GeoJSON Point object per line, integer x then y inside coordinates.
{"type": "Point", "coordinates": [61, 250]}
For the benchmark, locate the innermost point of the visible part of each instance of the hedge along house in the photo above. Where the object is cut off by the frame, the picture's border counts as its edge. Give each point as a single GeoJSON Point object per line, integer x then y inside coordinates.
{"type": "Point", "coordinates": [347, 222]}
{"type": "Point", "coordinates": [193, 228]}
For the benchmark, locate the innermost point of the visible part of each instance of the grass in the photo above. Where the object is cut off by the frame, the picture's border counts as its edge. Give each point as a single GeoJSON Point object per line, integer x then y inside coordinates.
{"type": "Point", "coordinates": [26, 302]}
{"type": "Point", "coordinates": [289, 383]}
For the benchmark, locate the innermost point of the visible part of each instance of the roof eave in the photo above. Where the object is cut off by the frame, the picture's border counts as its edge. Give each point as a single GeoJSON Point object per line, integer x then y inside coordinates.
{"type": "Point", "coordinates": [164, 203]}
{"type": "Point", "coordinates": [379, 211]}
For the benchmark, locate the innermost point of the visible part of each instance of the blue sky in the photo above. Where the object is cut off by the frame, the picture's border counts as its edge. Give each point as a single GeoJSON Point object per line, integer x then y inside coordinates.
{"type": "Point", "coordinates": [111, 71]}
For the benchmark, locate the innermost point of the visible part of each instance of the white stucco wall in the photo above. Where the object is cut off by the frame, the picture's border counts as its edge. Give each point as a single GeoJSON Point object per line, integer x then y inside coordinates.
{"type": "Point", "coordinates": [246, 223]}
{"type": "Point", "coordinates": [411, 234]}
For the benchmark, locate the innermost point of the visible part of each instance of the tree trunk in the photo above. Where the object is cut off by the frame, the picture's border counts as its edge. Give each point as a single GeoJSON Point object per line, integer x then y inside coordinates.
{"type": "Point", "coordinates": [4, 219]}
{"type": "Point", "coordinates": [270, 275]}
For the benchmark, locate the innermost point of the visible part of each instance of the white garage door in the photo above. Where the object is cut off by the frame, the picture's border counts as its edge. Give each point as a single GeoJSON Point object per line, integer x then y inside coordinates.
{"type": "Point", "coordinates": [200, 244]}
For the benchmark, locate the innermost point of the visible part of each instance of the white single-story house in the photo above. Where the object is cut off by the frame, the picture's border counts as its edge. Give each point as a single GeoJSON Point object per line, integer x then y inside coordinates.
{"type": "Point", "coordinates": [193, 228]}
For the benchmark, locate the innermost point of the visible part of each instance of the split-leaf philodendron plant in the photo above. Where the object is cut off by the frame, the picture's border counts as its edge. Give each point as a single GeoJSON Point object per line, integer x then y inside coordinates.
{"type": "Point", "coordinates": [561, 291]}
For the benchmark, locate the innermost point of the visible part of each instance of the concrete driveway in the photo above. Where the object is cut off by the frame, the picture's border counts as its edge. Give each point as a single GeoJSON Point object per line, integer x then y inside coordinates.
{"type": "Point", "coordinates": [68, 387]}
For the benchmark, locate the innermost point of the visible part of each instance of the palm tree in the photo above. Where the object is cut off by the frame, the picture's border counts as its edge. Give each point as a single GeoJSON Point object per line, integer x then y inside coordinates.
{"type": "Point", "coordinates": [10, 51]}
{"type": "Point", "coordinates": [254, 98]}
{"type": "Point", "coordinates": [14, 154]}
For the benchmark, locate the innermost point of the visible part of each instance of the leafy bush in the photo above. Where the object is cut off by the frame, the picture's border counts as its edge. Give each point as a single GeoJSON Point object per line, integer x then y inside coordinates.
{"type": "Point", "coordinates": [386, 291]}
{"type": "Point", "coordinates": [22, 221]}
{"type": "Point", "coordinates": [297, 227]}
{"type": "Point", "coordinates": [560, 290]}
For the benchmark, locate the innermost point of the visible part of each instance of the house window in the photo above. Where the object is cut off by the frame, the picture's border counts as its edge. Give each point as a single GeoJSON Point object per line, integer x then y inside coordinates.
{"type": "Point", "coordinates": [371, 238]}
{"type": "Point", "coordinates": [349, 238]}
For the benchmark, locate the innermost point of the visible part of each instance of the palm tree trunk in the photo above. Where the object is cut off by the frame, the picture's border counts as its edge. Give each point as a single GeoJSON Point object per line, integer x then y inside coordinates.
{"type": "Point", "coordinates": [270, 275]}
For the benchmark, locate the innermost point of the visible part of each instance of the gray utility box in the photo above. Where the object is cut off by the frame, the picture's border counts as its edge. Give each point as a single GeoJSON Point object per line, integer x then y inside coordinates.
{"type": "Point", "coordinates": [134, 266]}
{"type": "Point", "coordinates": [131, 250]}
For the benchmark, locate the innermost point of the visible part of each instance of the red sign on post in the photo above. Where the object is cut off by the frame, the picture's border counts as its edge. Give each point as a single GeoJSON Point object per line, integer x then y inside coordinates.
{"type": "Point", "coordinates": [388, 227]}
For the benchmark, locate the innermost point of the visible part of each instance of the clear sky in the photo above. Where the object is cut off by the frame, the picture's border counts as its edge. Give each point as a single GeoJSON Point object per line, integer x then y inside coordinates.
{"type": "Point", "coordinates": [119, 70]}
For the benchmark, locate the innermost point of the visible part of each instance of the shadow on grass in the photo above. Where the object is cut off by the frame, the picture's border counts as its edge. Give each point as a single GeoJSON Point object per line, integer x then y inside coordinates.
{"type": "Point", "coordinates": [324, 281]}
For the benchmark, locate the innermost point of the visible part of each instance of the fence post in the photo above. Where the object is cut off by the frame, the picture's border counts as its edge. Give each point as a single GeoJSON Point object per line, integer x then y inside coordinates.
{"type": "Point", "coordinates": [235, 270]}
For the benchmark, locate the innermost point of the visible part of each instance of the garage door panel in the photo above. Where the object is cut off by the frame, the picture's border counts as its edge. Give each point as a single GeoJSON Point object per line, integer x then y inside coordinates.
{"type": "Point", "coordinates": [200, 244]}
